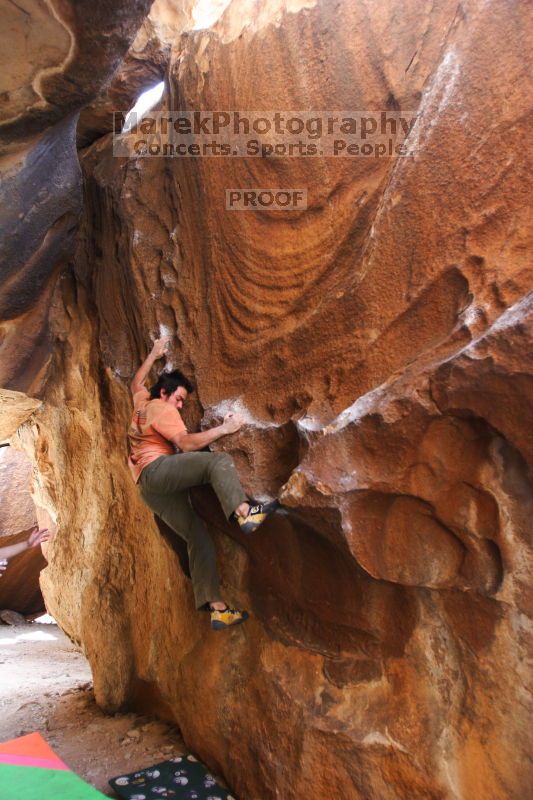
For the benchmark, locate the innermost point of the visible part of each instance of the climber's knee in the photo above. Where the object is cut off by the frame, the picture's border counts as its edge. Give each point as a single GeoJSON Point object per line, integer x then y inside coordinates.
{"type": "Point", "coordinates": [221, 461]}
{"type": "Point", "coordinates": [223, 458]}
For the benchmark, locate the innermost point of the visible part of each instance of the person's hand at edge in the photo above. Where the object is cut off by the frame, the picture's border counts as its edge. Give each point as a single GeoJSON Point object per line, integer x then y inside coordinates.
{"type": "Point", "coordinates": [38, 536]}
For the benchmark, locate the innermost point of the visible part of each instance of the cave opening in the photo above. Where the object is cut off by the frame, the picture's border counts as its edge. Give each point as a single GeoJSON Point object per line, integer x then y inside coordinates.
{"type": "Point", "coordinates": [147, 100]}
{"type": "Point", "coordinates": [206, 12]}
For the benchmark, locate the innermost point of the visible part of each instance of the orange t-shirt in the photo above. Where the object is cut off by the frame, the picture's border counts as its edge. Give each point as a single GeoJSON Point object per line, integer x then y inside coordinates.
{"type": "Point", "coordinates": [153, 428]}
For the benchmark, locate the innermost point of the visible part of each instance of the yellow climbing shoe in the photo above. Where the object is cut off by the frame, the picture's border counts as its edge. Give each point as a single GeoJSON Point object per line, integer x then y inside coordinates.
{"type": "Point", "coordinates": [226, 618]}
{"type": "Point", "coordinates": [256, 516]}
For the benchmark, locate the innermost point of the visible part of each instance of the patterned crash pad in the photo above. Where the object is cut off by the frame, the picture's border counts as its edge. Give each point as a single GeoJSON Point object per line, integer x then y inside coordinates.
{"type": "Point", "coordinates": [180, 778]}
{"type": "Point", "coordinates": [30, 770]}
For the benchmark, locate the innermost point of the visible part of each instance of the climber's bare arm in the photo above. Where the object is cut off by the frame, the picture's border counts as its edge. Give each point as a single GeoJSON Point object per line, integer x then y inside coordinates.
{"type": "Point", "coordinates": [158, 350]}
{"type": "Point", "coordinates": [36, 537]}
{"type": "Point", "coordinates": [188, 442]}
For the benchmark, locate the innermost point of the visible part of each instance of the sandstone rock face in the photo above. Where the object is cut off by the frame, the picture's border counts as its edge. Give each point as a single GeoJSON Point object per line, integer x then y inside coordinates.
{"type": "Point", "coordinates": [17, 511]}
{"type": "Point", "coordinates": [379, 344]}
{"type": "Point", "coordinates": [144, 65]}
{"type": "Point", "coordinates": [54, 61]}
{"type": "Point", "coordinates": [15, 409]}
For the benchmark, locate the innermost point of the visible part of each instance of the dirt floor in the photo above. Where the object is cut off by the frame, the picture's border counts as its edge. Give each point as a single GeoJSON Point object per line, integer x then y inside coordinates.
{"type": "Point", "coordinates": [45, 686]}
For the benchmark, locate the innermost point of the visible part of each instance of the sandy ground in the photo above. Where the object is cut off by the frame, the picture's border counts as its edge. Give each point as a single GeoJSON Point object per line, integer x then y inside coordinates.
{"type": "Point", "coordinates": [45, 686]}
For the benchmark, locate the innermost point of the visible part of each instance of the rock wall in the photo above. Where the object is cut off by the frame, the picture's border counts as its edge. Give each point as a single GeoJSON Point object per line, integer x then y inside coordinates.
{"type": "Point", "coordinates": [17, 511]}
{"type": "Point", "coordinates": [143, 67]}
{"type": "Point", "coordinates": [54, 62]}
{"type": "Point", "coordinates": [379, 345]}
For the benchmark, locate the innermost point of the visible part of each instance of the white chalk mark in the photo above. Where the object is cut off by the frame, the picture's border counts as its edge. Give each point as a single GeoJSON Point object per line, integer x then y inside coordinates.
{"type": "Point", "coordinates": [237, 406]}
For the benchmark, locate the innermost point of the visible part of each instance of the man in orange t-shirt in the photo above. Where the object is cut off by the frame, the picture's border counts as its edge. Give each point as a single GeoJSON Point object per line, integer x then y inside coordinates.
{"type": "Point", "coordinates": [165, 464]}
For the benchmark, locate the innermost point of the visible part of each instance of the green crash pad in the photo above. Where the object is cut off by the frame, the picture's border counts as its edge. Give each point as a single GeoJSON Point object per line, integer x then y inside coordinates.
{"type": "Point", "coordinates": [30, 770]}
{"type": "Point", "coordinates": [180, 778]}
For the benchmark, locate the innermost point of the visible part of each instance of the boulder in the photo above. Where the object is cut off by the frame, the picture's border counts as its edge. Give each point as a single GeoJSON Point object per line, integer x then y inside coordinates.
{"type": "Point", "coordinates": [378, 343]}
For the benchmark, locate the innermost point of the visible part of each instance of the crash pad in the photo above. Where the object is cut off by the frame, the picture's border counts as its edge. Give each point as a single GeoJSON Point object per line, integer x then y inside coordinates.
{"type": "Point", "coordinates": [30, 770]}
{"type": "Point", "coordinates": [180, 778]}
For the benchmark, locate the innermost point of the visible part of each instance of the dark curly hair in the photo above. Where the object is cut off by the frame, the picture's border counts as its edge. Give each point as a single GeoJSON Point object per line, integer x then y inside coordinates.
{"type": "Point", "coordinates": [169, 381]}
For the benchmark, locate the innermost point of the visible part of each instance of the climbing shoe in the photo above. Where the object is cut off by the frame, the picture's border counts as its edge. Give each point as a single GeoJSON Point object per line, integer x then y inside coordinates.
{"type": "Point", "coordinates": [225, 619]}
{"type": "Point", "coordinates": [256, 516]}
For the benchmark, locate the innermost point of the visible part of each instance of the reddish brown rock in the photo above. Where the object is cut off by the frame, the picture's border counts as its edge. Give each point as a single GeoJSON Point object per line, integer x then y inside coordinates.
{"type": "Point", "coordinates": [15, 409]}
{"type": "Point", "coordinates": [54, 63]}
{"type": "Point", "coordinates": [144, 66]}
{"type": "Point", "coordinates": [17, 511]}
{"type": "Point", "coordinates": [378, 346]}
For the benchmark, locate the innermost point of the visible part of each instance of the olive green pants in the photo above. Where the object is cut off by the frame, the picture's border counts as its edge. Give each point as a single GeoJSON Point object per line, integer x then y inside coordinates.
{"type": "Point", "coordinates": [164, 486]}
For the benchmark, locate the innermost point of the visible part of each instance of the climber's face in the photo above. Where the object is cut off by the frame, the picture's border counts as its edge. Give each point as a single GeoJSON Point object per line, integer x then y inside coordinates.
{"type": "Point", "coordinates": [176, 399]}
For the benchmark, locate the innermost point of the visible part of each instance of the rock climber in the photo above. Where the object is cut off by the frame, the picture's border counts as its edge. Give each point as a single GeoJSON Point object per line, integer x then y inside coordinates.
{"type": "Point", "coordinates": [165, 463]}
